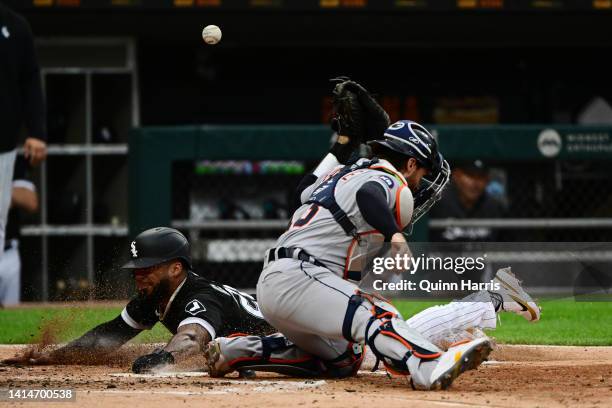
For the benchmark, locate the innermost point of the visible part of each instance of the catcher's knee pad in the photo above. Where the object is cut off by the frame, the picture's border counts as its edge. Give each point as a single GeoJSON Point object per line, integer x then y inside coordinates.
{"type": "Point", "coordinates": [385, 321]}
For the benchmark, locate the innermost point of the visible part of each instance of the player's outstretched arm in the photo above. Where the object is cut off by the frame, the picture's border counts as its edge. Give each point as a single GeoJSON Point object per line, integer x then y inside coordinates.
{"type": "Point", "coordinates": [189, 340]}
{"type": "Point", "coordinates": [98, 341]}
{"type": "Point", "coordinates": [102, 339]}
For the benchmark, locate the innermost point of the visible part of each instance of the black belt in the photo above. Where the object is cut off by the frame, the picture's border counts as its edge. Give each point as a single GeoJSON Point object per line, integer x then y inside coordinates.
{"type": "Point", "coordinates": [274, 254]}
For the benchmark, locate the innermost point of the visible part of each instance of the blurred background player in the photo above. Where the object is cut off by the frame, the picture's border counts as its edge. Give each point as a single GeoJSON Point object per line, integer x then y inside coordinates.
{"type": "Point", "coordinates": [466, 197]}
{"type": "Point", "coordinates": [24, 198]}
{"type": "Point", "coordinates": [21, 104]}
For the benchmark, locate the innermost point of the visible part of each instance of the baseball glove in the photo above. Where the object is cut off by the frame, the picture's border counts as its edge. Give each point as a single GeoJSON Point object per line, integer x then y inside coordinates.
{"type": "Point", "coordinates": [356, 113]}
{"type": "Point", "coordinates": [349, 116]}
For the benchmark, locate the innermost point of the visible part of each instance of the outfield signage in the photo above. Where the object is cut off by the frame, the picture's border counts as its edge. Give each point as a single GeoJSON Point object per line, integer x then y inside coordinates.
{"type": "Point", "coordinates": [525, 142]}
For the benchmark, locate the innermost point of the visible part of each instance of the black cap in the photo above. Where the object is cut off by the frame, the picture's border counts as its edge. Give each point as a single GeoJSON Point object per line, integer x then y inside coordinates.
{"type": "Point", "coordinates": [158, 245]}
{"type": "Point", "coordinates": [473, 166]}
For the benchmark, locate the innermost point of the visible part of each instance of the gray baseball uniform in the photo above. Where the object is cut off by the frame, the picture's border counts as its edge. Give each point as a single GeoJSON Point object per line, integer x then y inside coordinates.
{"type": "Point", "coordinates": [307, 301]}
{"type": "Point", "coordinates": [441, 325]}
{"type": "Point", "coordinates": [323, 316]}
{"type": "Point", "coordinates": [315, 230]}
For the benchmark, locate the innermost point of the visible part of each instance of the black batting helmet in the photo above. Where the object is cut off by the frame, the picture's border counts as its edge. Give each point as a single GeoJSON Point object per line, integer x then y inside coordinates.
{"type": "Point", "coordinates": [158, 245]}
{"type": "Point", "coordinates": [413, 140]}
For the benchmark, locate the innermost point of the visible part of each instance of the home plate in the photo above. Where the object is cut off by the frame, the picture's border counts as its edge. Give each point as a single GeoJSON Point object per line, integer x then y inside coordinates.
{"type": "Point", "coordinates": [162, 374]}
{"type": "Point", "coordinates": [369, 372]}
{"type": "Point", "coordinates": [260, 386]}
{"type": "Point", "coordinates": [495, 362]}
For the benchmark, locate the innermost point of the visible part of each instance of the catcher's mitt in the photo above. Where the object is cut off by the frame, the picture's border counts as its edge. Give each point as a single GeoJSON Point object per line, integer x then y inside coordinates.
{"type": "Point", "coordinates": [356, 113]}
{"type": "Point", "coordinates": [349, 116]}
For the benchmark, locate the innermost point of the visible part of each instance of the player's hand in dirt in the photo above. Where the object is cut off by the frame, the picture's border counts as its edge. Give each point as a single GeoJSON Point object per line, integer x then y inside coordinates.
{"type": "Point", "coordinates": [148, 362]}
{"type": "Point", "coordinates": [31, 357]}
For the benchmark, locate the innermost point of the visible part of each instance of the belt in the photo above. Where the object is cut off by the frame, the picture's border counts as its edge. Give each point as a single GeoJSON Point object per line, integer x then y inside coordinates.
{"type": "Point", "coordinates": [274, 254]}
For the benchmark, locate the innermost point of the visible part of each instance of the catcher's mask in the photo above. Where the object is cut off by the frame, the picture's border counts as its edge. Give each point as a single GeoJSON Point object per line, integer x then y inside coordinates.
{"type": "Point", "coordinates": [413, 140]}
{"type": "Point", "coordinates": [156, 246]}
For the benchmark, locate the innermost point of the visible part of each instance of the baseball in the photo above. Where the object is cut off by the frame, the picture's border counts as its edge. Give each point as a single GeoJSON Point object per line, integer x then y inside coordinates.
{"type": "Point", "coordinates": [211, 34]}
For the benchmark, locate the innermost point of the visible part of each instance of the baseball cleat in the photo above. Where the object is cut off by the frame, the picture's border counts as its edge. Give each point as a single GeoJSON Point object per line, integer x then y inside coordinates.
{"type": "Point", "coordinates": [514, 297]}
{"type": "Point", "coordinates": [215, 362]}
{"type": "Point", "coordinates": [458, 359]}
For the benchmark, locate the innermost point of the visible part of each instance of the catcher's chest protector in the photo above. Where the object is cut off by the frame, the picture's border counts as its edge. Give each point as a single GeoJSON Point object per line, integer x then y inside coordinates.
{"type": "Point", "coordinates": [324, 195]}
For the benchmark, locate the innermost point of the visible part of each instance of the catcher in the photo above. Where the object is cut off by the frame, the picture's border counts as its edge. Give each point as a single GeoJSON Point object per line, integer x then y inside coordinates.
{"type": "Point", "coordinates": [306, 289]}
{"type": "Point", "coordinates": [194, 309]}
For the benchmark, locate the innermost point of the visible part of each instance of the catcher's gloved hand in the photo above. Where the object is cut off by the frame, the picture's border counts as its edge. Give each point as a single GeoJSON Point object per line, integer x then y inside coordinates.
{"type": "Point", "coordinates": [347, 122]}
{"type": "Point", "coordinates": [356, 113]}
{"type": "Point", "coordinates": [147, 362]}
{"type": "Point", "coordinates": [348, 117]}
{"type": "Point", "coordinates": [376, 119]}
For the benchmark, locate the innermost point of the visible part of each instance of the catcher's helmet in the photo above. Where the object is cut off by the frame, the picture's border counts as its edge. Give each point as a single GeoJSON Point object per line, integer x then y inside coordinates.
{"type": "Point", "coordinates": [413, 140]}
{"type": "Point", "coordinates": [158, 245]}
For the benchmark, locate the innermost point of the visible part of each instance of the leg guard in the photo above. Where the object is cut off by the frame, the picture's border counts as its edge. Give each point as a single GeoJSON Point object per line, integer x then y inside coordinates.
{"type": "Point", "coordinates": [389, 337]}
{"type": "Point", "coordinates": [347, 364]}
{"type": "Point", "coordinates": [267, 353]}
{"type": "Point", "coordinates": [277, 354]}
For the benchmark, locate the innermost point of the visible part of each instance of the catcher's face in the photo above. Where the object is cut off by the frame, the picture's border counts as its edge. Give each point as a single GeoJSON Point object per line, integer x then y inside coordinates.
{"type": "Point", "coordinates": [414, 173]}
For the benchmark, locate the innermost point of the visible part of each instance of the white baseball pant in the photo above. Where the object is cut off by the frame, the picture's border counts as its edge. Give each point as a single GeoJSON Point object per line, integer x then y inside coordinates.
{"type": "Point", "coordinates": [7, 165]}
{"type": "Point", "coordinates": [10, 275]}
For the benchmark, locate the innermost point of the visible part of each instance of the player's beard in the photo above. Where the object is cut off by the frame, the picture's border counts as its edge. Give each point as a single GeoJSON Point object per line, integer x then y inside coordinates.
{"type": "Point", "coordinates": [159, 293]}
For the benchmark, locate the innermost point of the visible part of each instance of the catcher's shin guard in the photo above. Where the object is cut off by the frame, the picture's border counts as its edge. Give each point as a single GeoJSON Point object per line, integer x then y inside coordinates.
{"type": "Point", "coordinates": [347, 364]}
{"type": "Point", "coordinates": [277, 354]}
{"type": "Point", "coordinates": [266, 353]}
{"type": "Point", "coordinates": [392, 341]}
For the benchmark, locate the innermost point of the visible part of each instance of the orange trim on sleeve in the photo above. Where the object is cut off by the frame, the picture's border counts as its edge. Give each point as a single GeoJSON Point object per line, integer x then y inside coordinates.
{"type": "Point", "coordinates": [398, 211]}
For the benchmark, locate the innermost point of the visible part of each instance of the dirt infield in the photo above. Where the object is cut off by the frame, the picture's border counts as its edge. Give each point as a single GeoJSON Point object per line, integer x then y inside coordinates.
{"type": "Point", "coordinates": [516, 376]}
